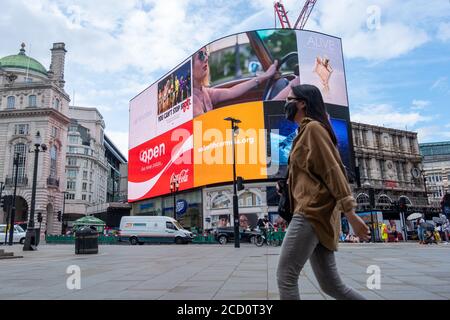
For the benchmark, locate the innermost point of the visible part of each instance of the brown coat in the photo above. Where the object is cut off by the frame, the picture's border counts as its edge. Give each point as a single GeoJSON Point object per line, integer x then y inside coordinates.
{"type": "Point", "coordinates": [317, 182]}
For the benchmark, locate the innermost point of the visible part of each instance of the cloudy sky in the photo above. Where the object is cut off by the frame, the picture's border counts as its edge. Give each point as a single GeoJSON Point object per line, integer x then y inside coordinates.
{"type": "Point", "coordinates": [397, 53]}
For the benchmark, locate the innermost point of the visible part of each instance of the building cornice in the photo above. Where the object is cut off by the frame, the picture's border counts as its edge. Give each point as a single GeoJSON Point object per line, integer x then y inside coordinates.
{"type": "Point", "coordinates": [357, 125]}
{"type": "Point", "coordinates": [35, 112]}
{"type": "Point", "coordinates": [35, 85]}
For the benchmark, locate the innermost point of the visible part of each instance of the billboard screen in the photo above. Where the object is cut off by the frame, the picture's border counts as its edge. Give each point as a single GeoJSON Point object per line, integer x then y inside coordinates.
{"type": "Point", "coordinates": [241, 76]}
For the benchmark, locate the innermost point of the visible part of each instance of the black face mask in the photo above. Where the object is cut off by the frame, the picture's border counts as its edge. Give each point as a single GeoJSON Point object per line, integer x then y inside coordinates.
{"type": "Point", "coordinates": [290, 110]}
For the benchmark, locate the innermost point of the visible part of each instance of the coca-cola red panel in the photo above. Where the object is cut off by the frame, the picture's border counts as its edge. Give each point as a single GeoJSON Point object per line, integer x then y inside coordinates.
{"type": "Point", "coordinates": [154, 164]}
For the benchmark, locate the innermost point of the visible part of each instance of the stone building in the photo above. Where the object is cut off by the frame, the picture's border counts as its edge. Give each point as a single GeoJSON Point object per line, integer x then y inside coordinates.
{"type": "Point", "coordinates": [86, 166]}
{"type": "Point", "coordinates": [32, 100]}
{"type": "Point", "coordinates": [436, 165]}
{"type": "Point", "coordinates": [389, 161]}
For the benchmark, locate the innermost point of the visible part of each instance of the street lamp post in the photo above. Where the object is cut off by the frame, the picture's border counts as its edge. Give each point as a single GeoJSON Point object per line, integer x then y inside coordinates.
{"type": "Point", "coordinates": [64, 208]}
{"type": "Point", "coordinates": [13, 207]}
{"type": "Point", "coordinates": [174, 186]}
{"type": "Point", "coordinates": [31, 238]}
{"type": "Point", "coordinates": [372, 206]}
{"type": "Point", "coordinates": [2, 187]}
{"type": "Point", "coordinates": [234, 130]}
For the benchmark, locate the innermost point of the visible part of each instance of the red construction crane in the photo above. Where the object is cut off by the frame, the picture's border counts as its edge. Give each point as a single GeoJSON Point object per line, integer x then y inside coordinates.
{"type": "Point", "coordinates": [282, 15]}
{"type": "Point", "coordinates": [302, 18]}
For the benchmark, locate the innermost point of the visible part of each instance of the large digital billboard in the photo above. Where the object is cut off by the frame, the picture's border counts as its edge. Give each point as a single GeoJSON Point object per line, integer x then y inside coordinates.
{"type": "Point", "coordinates": [177, 126]}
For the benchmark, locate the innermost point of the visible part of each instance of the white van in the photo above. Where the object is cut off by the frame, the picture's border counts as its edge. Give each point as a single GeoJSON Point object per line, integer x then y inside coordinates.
{"type": "Point", "coordinates": [156, 229]}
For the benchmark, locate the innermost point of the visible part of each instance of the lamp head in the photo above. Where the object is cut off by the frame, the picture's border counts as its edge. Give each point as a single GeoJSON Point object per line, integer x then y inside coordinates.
{"type": "Point", "coordinates": [37, 139]}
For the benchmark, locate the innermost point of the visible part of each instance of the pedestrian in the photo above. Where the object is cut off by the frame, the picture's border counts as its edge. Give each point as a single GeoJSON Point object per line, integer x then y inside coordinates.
{"type": "Point", "coordinates": [384, 233]}
{"type": "Point", "coordinates": [421, 230]}
{"type": "Point", "coordinates": [393, 229]}
{"type": "Point", "coordinates": [319, 192]}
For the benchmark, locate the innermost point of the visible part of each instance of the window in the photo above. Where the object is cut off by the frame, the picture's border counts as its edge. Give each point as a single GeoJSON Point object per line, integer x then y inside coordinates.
{"type": "Point", "coordinates": [73, 139]}
{"type": "Point", "coordinates": [90, 187]}
{"type": "Point", "coordinates": [56, 103]}
{"type": "Point", "coordinates": [73, 128]}
{"type": "Point", "coordinates": [54, 132]}
{"type": "Point", "coordinates": [72, 173]}
{"type": "Point", "coordinates": [84, 186]}
{"type": "Point", "coordinates": [83, 197]}
{"type": "Point", "coordinates": [11, 102]}
{"type": "Point", "coordinates": [72, 150]}
{"type": "Point", "coordinates": [90, 175]}
{"type": "Point", "coordinates": [169, 225]}
{"type": "Point", "coordinates": [20, 152]}
{"type": "Point", "coordinates": [85, 175]}
{"type": "Point", "coordinates": [71, 185]}
{"type": "Point", "coordinates": [85, 164]}
{"type": "Point", "coordinates": [32, 101]}
{"type": "Point", "coordinates": [70, 196]}
{"type": "Point", "coordinates": [71, 161]}
{"type": "Point", "coordinates": [21, 129]}
{"type": "Point", "coordinates": [53, 158]}
{"type": "Point", "coordinates": [90, 198]}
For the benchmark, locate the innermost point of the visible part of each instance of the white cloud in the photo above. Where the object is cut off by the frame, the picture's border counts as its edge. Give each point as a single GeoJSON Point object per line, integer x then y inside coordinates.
{"type": "Point", "coordinates": [432, 133]}
{"type": "Point", "coordinates": [120, 140]}
{"type": "Point", "coordinates": [388, 116]}
{"type": "Point", "coordinates": [420, 104]}
{"type": "Point", "coordinates": [443, 33]}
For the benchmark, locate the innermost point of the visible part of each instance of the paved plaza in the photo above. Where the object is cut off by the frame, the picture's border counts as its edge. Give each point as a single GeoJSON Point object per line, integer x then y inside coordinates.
{"type": "Point", "coordinates": [408, 271]}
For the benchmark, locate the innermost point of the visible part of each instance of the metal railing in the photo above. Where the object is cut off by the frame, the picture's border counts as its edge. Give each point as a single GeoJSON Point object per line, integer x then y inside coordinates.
{"type": "Point", "coordinates": [22, 181]}
{"type": "Point", "coordinates": [52, 182]}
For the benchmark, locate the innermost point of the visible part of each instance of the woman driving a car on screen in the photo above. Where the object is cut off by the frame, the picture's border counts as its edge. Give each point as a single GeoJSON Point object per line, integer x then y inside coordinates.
{"type": "Point", "coordinates": [206, 97]}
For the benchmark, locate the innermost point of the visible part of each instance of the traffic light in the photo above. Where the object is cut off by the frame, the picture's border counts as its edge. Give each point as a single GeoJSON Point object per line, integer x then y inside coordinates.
{"type": "Point", "coordinates": [59, 216]}
{"type": "Point", "coordinates": [2, 202]}
{"type": "Point", "coordinates": [39, 217]}
{"type": "Point", "coordinates": [240, 183]}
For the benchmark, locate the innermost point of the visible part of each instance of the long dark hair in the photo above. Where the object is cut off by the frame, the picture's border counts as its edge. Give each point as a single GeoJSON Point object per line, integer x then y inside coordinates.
{"type": "Point", "coordinates": [315, 107]}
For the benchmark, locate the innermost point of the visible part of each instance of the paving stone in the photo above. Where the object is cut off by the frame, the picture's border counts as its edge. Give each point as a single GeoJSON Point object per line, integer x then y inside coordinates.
{"type": "Point", "coordinates": [218, 272]}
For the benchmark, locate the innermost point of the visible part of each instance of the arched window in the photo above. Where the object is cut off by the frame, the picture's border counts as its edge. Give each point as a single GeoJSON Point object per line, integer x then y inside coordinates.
{"type": "Point", "coordinates": [11, 102]}
{"type": "Point", "coordinates": [53, 157]}
{"type": "Point", "coordinates": [32, 101]}
{"type": "Point", "coordinates": [21, 154]}
{"type": "Point", "coordinates": [249, 199]}
{"type": "Point", "coordinates": [221, 201]}
{"type": "Point", "coordinates": [56, 104]}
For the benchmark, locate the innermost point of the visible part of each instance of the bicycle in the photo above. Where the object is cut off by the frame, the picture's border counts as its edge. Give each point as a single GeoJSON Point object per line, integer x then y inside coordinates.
{"type": "Point", "coordinates": [271, 238]}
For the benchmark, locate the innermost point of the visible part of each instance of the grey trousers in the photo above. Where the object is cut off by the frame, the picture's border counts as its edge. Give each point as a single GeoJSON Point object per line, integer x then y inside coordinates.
{"type": "Point", "coordinates": [299, 245]}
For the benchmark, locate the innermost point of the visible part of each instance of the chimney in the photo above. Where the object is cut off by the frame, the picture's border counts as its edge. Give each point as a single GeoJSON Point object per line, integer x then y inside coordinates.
{"type": "Point", "coordinates": [57, 64]}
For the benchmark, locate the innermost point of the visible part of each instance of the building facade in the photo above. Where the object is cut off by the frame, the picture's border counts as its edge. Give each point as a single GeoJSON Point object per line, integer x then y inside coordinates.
{"type": "Point", "coordinates": [32, 100]}
{"type": "Point", "coordinates": [115, 161]}
{"type": "Point", "coordinates": [436, 166]}
{"type": "Point", "coordinates": [86, 166]}
{"type": "Point", "coordinates": [389, 161]}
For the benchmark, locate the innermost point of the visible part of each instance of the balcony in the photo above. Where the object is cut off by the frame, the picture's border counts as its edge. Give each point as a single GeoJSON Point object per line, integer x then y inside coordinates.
{"type": "Point", "coordinates": [22, 181]}
{"type": "Point", "coordinates": [52, 182]}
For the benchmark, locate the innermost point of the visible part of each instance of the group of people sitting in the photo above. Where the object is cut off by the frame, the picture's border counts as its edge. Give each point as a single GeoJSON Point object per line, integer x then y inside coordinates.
{"type": "Point", "coordinates": [429, 233]}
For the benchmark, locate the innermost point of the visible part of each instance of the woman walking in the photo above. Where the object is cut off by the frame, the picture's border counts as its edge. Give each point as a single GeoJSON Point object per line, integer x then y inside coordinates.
{"type": "Point", "coordinates": [319, 192]}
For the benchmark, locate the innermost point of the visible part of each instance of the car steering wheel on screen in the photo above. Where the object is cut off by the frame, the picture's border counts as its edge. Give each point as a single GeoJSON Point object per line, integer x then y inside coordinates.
{"type": "Point", "coordinates": [277, 82]}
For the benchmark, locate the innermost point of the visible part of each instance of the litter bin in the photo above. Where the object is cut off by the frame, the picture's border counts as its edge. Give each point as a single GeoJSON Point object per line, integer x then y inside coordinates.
{"type": "Point", "coordinates": [86, 241]}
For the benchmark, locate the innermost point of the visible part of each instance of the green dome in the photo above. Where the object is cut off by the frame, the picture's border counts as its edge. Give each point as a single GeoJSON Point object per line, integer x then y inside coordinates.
{"type": "Point", "coordinates": [22, 61]}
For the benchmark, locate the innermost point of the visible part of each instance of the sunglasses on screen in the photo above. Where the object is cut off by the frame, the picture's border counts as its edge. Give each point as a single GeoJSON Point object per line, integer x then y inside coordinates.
{"type": "Point", "coordinates": [202, 55]}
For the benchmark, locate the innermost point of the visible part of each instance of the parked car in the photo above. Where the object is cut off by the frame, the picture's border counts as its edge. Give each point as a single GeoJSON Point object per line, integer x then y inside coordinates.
{"type": "Point", "coordinates": [226, 234]}
{"type": "Point", "coordinates": [159, 229]}
{"type": "Point", "coordinates": [19, 234]}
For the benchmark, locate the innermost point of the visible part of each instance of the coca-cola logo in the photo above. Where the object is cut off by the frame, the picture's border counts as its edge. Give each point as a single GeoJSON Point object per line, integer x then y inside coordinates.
{"type": "Point", "coordinates": [147, 155]}
{"type": "Point", "coordinates": [181, 177]}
